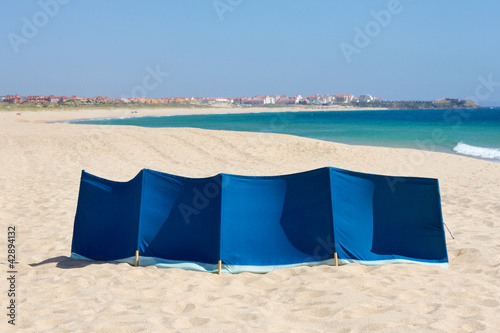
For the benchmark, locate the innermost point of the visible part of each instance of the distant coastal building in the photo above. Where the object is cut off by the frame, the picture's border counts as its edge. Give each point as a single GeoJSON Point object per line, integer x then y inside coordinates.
{"type": "Point", "coordinates": [266, 99]}
{"type": "Point", "coordinates": [365, 98]}
{"type": "Point", "coordinates": [76, 98]}
{"type": "Point", "coordinates": [167, 100]}
{"type": "Point", "coordinates": [328, 99]}
{"type": "Point", "coordinates": [317, 99]}
{"type": "Point", "coordinates": [207, 100]}
{"type": "Point", "coordinates": [53, 99]}
{"type": "Point", "coordinates": [211, 100]}
{"type": "Point", "coordinates": [239, 100]}
{"type": "Point", "coordinates": [343, 98]}
{"type": "Point", "coordinates": [314, 99]}
{"type": "Point", "coordinates": [13, 99]}
{"type": "Point", "coordinates": [36, 98]}
{"type": "Point", "coordinates": [43, 98]}
{"type": "Point", "coordinates": [297, 99]}
{"type": "Point", "coordinates": [286, 101]}
{"type": "Point", "coordinates": [103, 99]}
{"type": "Point", "coordinates": [256, 100]}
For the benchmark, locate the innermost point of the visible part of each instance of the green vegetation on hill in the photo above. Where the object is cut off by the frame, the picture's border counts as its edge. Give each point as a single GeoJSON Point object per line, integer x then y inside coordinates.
{"type": "Point", "coordinates": [443, 103]}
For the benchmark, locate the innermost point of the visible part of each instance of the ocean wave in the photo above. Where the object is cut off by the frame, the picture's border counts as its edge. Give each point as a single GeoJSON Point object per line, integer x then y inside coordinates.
{"type": "Point", "coordinates": [481, 152]}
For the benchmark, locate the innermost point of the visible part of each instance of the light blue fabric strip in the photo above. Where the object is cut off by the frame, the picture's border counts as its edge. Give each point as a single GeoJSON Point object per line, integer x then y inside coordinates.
{"type": "Point", "coordinates": [202, 267]}
{"type": "Point", "coordinates": [392, 261]}
{"type": "Point", "coordinates": [129, 260]}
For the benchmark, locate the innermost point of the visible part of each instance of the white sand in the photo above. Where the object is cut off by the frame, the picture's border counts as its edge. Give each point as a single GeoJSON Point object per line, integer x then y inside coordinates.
{"type": "Point", "coordinates": [40, 173]}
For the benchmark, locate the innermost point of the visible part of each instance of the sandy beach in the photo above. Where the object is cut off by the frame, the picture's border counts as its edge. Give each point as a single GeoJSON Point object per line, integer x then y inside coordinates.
{"type": "Point", "coordinates": [40, 175]}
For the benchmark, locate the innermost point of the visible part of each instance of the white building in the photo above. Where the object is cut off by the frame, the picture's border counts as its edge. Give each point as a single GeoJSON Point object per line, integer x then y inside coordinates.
{"type": "Point", "coordinates": [268, 99]}
{"type": "Point", "coordinates": [365, 98]}
{"type": "Point", "coordinates": [320, 99]}
{"type": "Point", "coordinates": [343, 98]}
{"type": "Point", "coordinates": [315, 99]}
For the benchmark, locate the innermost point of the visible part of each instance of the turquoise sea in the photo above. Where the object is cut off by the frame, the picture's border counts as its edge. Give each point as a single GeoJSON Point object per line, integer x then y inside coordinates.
{"type": "Point", "coordinates": [472, 132]}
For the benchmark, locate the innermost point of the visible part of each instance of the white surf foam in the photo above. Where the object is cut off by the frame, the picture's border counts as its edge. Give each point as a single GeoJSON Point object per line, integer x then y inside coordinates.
{"type": "Point", "coordinates": [481, 152]}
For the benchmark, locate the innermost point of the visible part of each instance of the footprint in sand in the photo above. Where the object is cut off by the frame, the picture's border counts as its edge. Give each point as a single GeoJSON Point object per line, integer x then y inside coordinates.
{"type": "Point", "coordinates": [467, 255]}
{"type": "Point", "coordinates": [199, 321]}
{"type": "Point", "coordinates": [490, 303]}
{"type": "Point", "coordinates": [426, 308]}
{"type": "Point", "coordinates": [189, 307]}
{"type": "Point", "coordinates": [254, 318]}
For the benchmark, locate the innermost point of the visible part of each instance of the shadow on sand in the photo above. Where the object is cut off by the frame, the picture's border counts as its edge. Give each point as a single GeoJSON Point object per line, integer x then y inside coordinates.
{"type": "Point", "coordinates": [68, 263]}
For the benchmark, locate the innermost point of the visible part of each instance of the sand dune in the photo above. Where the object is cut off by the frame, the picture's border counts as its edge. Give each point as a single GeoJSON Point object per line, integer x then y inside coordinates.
{"type": "Point", "coordinates": [40, 172]}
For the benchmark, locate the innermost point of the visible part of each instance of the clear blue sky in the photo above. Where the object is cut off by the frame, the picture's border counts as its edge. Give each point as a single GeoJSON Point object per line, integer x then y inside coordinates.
{"type": "Point", "coordinates": [423, 51]}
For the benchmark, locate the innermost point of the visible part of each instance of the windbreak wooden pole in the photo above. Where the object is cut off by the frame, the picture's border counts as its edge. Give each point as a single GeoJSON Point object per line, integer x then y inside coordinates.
{"type": "Point", "coordinates": [219, 268]}
{"type": "Point", "coordinates": [136, 258]}
{"type": "Point", "coordinates": [336, 258]}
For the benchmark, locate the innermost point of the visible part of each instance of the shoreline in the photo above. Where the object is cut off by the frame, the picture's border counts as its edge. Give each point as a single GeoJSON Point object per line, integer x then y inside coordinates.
{"type": "Point", "coordinates": [75, 114]}
{"type": "Point", "coordinates": [53, 116]}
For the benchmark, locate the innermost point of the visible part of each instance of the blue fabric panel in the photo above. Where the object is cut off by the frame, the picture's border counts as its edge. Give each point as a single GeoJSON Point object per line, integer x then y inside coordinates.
{"type": "Point", "coordinates": [107, 218]}
{"type": "Point", "coordinates": [180, 218]}
{"type": "Point", "coordinates": [383, 218]}
{"type": "Point", "coordinates": [352, 202]}
{"type": "Point", "coordinates": [276, 220]}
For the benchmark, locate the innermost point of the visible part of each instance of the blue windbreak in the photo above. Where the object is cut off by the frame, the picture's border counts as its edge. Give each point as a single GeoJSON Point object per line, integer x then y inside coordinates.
{"type": "Point", "coordinates": [270, 221]}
